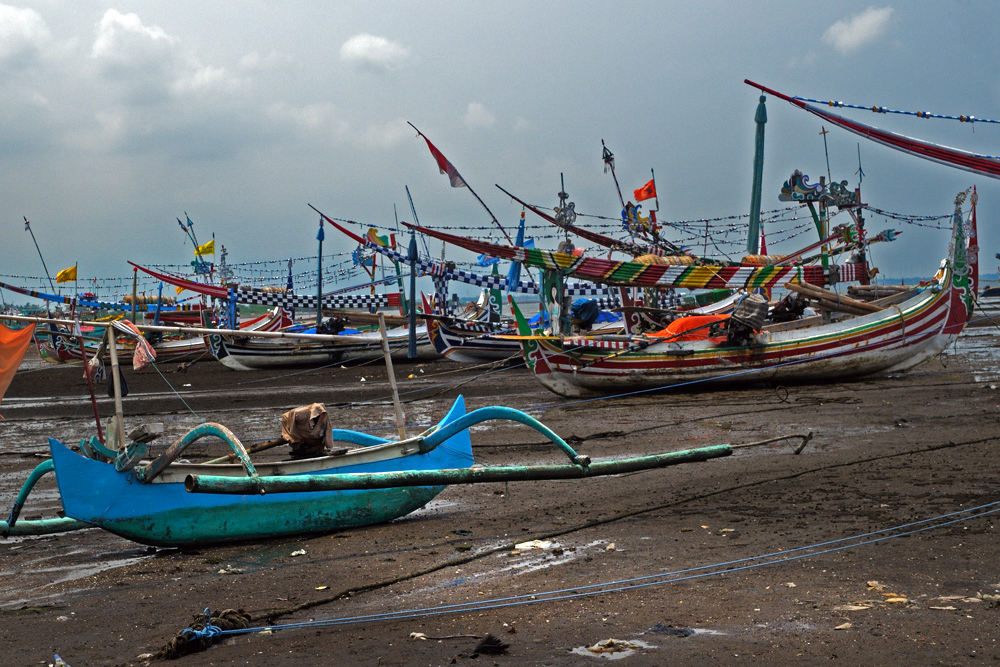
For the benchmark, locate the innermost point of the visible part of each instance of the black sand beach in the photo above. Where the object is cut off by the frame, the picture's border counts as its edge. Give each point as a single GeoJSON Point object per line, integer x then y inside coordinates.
{"type": "Point", "coordinates": [777, 558]}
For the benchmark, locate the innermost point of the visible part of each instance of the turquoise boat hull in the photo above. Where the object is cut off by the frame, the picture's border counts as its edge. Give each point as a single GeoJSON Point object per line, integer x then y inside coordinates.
{"type": "Point", "coordinates": [162, 513]}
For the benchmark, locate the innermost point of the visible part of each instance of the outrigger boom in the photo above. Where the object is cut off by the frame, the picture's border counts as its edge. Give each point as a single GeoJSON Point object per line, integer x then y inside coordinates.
{"type": "Point", "coordinates": [385, 480]}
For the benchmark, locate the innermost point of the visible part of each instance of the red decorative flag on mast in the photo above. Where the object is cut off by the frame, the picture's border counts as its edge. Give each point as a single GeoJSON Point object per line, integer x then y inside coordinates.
{"type": "Point", "coordinates": [648, 191]}
{"type": "Point", "coordinates": [445, 166]}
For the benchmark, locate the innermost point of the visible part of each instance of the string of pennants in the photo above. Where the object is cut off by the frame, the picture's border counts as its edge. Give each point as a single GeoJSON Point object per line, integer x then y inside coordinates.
{"type": "Point", "coordinates": [336, 301]}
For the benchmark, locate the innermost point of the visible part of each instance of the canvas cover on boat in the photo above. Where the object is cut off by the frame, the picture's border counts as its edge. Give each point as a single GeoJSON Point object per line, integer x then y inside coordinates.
{"type": "Point", "coordinates": [694, 327]}
{"type": "Point", "coordinates": [307, 430]}
{"type": "Point", "coordinates": [13, 344]}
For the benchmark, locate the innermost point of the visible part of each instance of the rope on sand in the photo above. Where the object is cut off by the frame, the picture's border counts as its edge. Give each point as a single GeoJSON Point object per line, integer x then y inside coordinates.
{"type": "Point", "coordinates": [207, 634]}
{"type": "Point", "coordinates": [205, 630]}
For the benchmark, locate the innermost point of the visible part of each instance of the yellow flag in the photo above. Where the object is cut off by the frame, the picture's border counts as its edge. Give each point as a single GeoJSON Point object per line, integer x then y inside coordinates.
{"type": "Point", "coordinates": [66, 275]}
{"type": "Point", "coordinates": [205, 248]}
{"type": "Point", "coordinates": [178, 290]}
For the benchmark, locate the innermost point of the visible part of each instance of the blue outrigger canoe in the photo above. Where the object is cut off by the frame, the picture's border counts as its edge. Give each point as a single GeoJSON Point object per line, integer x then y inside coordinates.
{"type": "Point", "coordinates": [157, 510]}
{"type": "Point", "coordinates": [171, 503]}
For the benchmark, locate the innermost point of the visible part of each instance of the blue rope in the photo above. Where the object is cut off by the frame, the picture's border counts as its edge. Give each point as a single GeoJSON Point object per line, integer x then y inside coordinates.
{"type": "Point", "coordinates": [644, 581]}
{"type": "Point", "coordinates": [880, 109]}
{"type": "Point", "coordinates": [209, 632]}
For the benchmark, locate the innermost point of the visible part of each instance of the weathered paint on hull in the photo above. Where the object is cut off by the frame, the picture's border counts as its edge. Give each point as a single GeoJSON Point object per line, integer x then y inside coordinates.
{"type": "Point", "coordinates": [257, 354]}
{"type": "Point", "coordinates": [162, 513]}
{"type": "Point", "coordinates": [473, 348]}
{"type": "Point", "coordinates": [888, 341]}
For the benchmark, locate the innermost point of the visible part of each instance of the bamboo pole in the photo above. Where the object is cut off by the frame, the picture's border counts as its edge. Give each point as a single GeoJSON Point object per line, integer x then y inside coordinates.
{"type": "Point", "coordinates": [820, 293]}
{"type": "Point", "coordinates": [196, 330]}
{"type": "Point", "coordinates": [400, 418]}
{"type": "Point", "coordinates": [116, 383]}
{"type": "Point", "coordinates": [828, 304]}
{"type": "Point", "coordinates": [385, 480]}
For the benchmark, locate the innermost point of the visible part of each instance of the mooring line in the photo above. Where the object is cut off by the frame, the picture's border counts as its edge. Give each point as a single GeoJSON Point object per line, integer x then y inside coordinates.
{"type": "Point", "coordinates": [276, 613]}
{"type": "Point", "coordinates": [657, 579]}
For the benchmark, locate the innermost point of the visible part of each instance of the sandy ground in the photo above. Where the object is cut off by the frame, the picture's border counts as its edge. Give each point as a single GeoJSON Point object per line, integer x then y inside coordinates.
{"type": "Point", "coordinates": [763, 557]}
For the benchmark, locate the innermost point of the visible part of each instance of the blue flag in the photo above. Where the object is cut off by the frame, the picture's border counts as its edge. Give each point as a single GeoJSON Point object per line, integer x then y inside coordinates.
{"type": "Point", "coordinates": [484, 260]}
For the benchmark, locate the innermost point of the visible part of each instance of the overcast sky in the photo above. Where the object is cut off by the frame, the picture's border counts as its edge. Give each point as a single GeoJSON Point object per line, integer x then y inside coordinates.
{"type": "Point", "coordinates": [116, 118]}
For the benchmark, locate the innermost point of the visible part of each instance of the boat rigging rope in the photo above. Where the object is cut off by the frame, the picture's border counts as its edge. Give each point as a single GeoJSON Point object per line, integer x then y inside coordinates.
{"type": "Point", "coordinates": [181, 398]}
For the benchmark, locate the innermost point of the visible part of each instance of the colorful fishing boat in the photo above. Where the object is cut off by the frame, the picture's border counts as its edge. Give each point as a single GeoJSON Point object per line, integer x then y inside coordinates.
{"type": "Point", "coordinates": [890, 335]}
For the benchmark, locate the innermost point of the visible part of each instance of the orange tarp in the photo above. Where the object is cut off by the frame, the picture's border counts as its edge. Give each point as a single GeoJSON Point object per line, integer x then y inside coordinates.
{"type": "Point", "coordinates": [694, 327]}
{"type": "Point", "coordinates": [13, 344]}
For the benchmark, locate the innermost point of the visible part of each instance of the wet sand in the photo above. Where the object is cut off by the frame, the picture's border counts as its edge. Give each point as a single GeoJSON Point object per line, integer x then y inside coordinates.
{"type": "Point", "coordinates": [776, 558]}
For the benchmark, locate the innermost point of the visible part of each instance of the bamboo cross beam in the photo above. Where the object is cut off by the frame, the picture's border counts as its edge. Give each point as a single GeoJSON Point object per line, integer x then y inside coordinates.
{"type": "Point", "coordinates": [203, 331]}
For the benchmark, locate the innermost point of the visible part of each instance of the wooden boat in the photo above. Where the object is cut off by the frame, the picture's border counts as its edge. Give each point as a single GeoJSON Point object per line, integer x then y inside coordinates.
{"type": "Point", "coordinates": [58, 344]}
{"type": "Point", "coordinates": [147, 503]}
{"type": "Point", "coordinates": [167, 502]}
{"type": "Point", "coordinates": [897, 335]}
{"type": "Point", "coordinates": [891, 336]}
{"type": "Point", "coordinates": [247, 354]}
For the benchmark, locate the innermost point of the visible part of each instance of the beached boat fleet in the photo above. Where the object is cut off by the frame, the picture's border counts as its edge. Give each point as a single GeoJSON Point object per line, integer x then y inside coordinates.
{"type": "Point", "coordinates": [729, 330]}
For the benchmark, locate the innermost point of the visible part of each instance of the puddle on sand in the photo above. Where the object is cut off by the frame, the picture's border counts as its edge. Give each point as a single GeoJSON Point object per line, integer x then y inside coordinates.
{"type": "Point", "coordinates": [433, 507]}
{"type": "Point", "coordinates": [613, 649]}
{"type": "Point", "coordinates": [40, 576]}
{"type": "Point", "coordinates": [529, 560]}
{"type": "Point", "coordinates": [979, 347]}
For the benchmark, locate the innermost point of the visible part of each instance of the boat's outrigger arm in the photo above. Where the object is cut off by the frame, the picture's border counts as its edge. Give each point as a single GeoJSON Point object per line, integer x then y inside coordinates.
{"type": "Point", "coordinates": [148, 472]}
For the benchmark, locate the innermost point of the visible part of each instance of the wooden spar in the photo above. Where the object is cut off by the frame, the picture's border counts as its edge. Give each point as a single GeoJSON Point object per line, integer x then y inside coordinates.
{"type": "Point", "coordinates": [400, 418]}
{"type": "Point", "coordinates": [386, 480]}
{"type": "Point", "coordinates": [832, 301]}
{"type": "Point", "coordinates": [195, 330]}
{"type": "Point", "coordinates": [119, 433]}
{"type": "Point", "coordinates": [135, 298]}
{"type": "Point", "coordinates": [260, 447]}
{"type": "Point", "coordinates": [90, 387]}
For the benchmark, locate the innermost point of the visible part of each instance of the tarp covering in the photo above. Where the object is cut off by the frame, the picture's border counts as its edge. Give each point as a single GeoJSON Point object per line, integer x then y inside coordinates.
{"type": "Point", "coordinates": [694, 327]}
{"type": "Point", "coordinates": [13, 344]}
{"type": "Point", "coordinates": [307, 430]}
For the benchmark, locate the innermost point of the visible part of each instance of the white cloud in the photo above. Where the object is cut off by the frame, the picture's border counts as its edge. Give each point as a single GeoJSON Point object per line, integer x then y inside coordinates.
{"type": "Point", "coordinates": [853, 33]}
{"type": "Point", "coordinates": [374, 54]}
{"type": "Point", "coordinates": [22, 35]}
{"type": "Point", "coordinates": [477, 115]}
{"type": "Point", "coordinates": [123, 39]}
{"type": "Point", "coordinates": [308, 117]}
{"type": "Point", "coordinates": [147, 64]}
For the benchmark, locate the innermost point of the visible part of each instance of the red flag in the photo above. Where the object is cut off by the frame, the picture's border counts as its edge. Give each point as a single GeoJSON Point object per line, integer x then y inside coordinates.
{"type": "Point", "coordinates": [648, 191]}
{"type": "Point", "coordinates": [446, 167]}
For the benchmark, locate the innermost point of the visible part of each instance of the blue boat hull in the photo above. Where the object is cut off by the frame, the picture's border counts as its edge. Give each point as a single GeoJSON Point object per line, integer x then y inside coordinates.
{"type": "Point", "coordinates": [164, 514]}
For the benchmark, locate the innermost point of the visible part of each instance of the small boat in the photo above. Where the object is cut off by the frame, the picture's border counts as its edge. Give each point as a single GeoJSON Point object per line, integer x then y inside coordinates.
{"type": "Point", "coordinates": [247, 354]}
{"type": "Point", "coordinates": [171, 503]}
{"type": "Point", "coordinates": [147, 503]}
{"type": "Point", "coordinates": [57, 344]}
